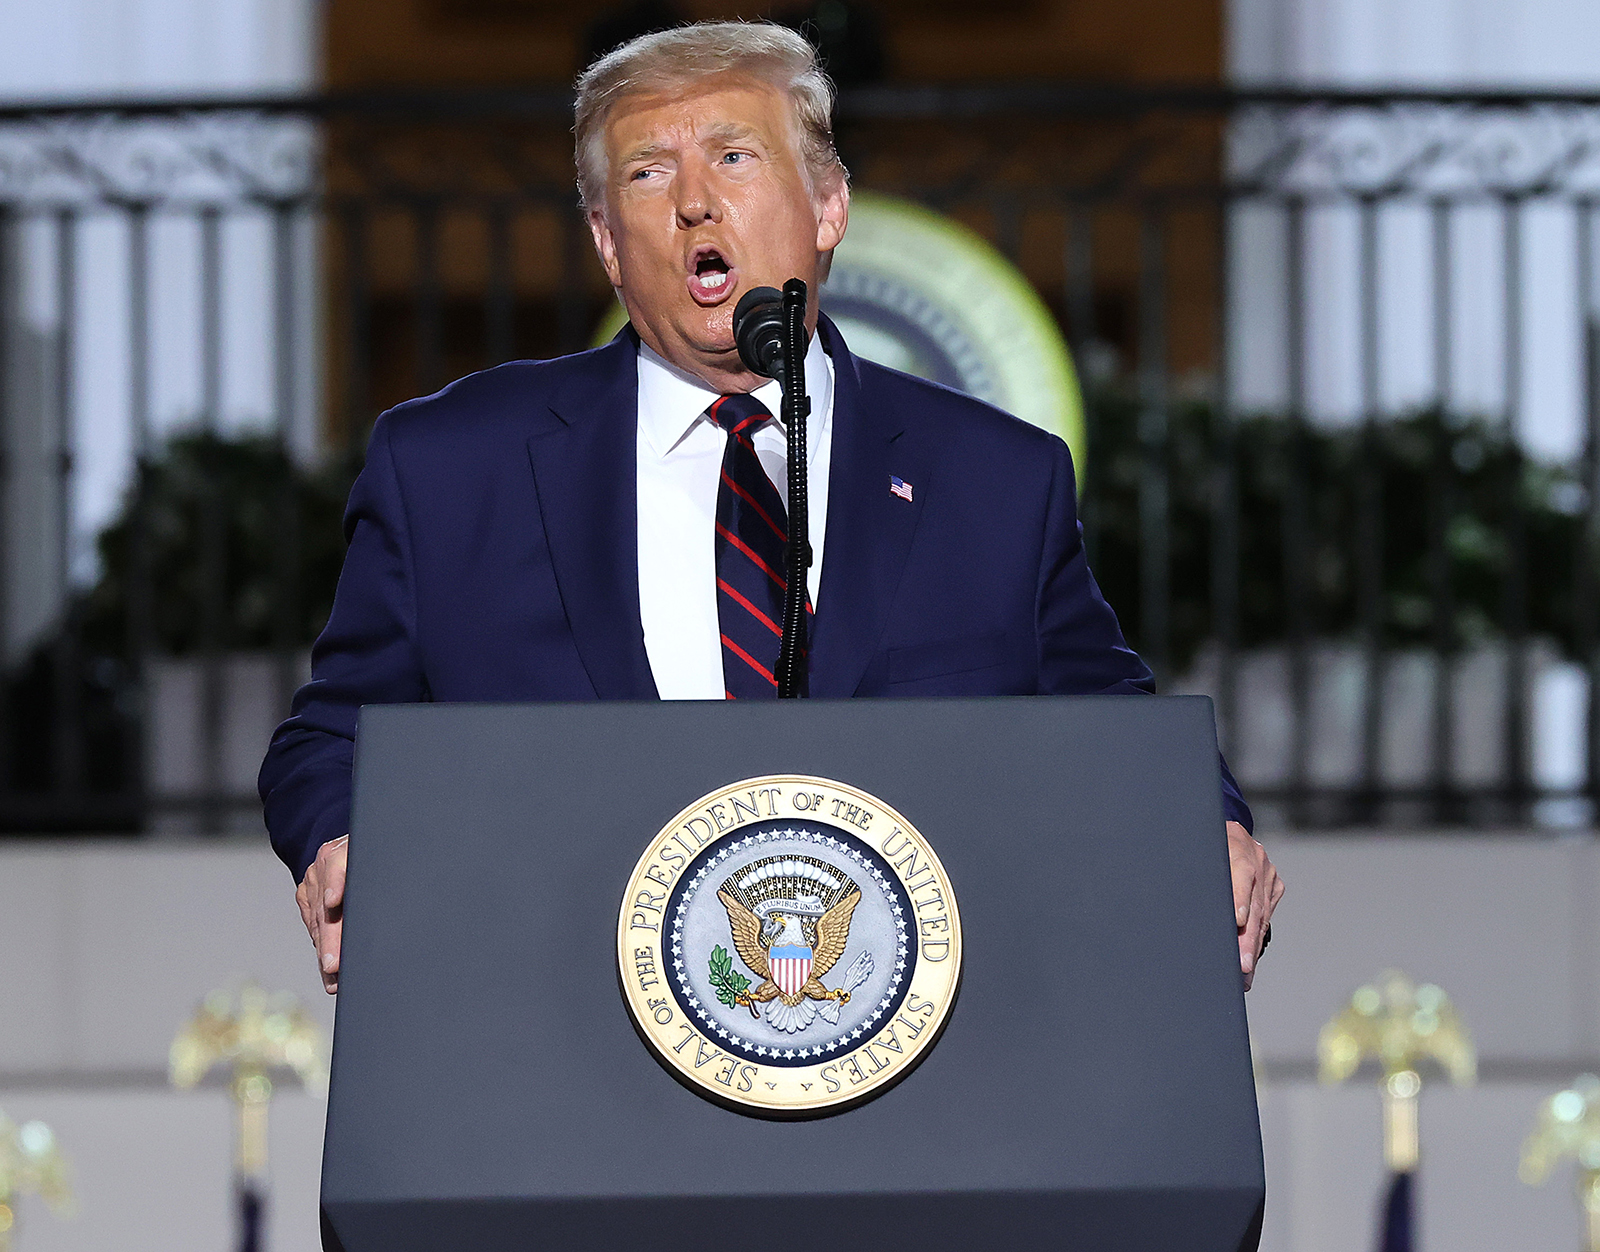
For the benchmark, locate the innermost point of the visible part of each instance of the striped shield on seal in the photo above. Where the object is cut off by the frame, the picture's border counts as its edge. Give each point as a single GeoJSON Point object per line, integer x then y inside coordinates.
{"type": "Point", "coordinates": [791, 966]}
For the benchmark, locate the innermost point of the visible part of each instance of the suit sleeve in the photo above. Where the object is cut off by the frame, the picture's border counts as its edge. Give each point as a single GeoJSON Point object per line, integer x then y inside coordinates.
{"type": "Point", "coordinates": [367, 654]}
{"type": "Point", "coordinates": [1081, 648]}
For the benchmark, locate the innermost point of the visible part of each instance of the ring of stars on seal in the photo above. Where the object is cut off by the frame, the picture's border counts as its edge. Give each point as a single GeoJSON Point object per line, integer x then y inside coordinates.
{"type": "Point", "coordinates": [903, 955]}
{"type": "Point", "coordinates": [789, 946]}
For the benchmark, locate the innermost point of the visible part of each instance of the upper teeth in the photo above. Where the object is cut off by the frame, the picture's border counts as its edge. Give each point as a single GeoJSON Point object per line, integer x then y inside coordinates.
{"type": "Point", "coordinates": [714, 279]}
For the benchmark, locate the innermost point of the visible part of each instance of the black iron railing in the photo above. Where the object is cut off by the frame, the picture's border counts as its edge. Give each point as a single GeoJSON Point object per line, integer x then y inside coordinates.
{"type": "Point", "coordinates": [1339, 352]}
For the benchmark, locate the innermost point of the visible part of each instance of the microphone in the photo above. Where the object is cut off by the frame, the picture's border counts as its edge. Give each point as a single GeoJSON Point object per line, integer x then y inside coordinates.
{"type": "Point", "coordinates": [769, 326]}
{"type": "Point", "coordinates": [758, 325]}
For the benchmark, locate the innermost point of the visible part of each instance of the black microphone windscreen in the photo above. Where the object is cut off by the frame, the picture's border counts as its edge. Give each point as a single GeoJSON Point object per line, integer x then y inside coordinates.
{"type": "Point", "coordinates": [758, 330]}
{"type": "Point", "coordinates": [751, 299]}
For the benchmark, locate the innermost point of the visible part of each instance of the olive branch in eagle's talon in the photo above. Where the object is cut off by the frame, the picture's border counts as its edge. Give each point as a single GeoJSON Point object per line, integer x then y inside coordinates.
{"type": "Point", "coordinates": [731, 986]}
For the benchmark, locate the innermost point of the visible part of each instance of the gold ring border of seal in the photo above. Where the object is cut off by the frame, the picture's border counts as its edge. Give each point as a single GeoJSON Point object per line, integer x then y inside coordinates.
{"type": "Point", "coordinates": [854, 1078]}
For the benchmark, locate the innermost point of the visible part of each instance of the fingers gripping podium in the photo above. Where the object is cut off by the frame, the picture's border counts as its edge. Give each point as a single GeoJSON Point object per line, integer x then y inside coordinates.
{"type": "Point", "coordinates": [945, 974]}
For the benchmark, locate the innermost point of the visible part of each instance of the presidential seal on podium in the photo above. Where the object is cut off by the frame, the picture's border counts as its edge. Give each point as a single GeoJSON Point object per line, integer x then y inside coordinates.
{"type": "Point", "coordinates": [789, 946]}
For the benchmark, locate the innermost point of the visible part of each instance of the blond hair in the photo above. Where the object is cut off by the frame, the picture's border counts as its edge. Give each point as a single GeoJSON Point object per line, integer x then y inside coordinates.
{"type": "Point", "coordinates": [671, 60]}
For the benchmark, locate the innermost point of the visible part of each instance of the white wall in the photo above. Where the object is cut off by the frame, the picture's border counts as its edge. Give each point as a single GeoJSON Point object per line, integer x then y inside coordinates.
{"type": "Point", "coordinates": [1509, 927]}
{"type": "Point", "coordinates": [106, 949]}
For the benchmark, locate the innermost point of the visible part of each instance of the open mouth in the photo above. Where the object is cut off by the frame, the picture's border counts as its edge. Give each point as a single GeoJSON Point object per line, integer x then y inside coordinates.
{"type": "Point", "coordinates": [711, 277]}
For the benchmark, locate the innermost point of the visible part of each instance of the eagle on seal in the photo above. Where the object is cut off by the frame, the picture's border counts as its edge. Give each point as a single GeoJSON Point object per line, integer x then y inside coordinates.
{"type": "Point", "coordinates": [755, 937]}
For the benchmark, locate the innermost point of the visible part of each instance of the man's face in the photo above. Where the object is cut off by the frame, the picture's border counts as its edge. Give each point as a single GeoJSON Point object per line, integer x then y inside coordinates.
{"type": "Point", "coordinates": [706, 198]}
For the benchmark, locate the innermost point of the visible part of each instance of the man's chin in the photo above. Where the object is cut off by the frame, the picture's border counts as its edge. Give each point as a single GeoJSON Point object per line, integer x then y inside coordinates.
{"type": "Point", "coordinates": [710, 341]}
{"type": "Point", "coordinates": [712, 330]}
{"type": "Point", "coordinates": [699, 342]}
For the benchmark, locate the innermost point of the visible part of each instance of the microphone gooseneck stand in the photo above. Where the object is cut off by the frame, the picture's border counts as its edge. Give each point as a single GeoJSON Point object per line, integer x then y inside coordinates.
{"type": "Point", "coordinates": [770, 329]}
{"type": "Point", "coordinates": [796, 410]}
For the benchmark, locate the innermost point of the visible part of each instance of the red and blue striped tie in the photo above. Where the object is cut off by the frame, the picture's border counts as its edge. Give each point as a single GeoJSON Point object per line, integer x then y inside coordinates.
{"type": "Point", "coordinates": [752, 529]}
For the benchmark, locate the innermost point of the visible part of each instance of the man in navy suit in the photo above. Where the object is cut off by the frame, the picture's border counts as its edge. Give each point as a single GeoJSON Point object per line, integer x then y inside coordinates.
{"type": "Point", "coordinates": [606, 526]}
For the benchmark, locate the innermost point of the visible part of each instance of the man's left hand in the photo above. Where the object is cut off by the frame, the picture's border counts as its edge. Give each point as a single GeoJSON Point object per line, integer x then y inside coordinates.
{"type": "Point", "coordinates": [1256, 892]}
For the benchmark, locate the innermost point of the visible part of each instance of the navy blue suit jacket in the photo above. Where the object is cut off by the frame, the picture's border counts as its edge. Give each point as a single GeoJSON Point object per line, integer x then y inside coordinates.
{"type": "Point", "coordinates": [494, 557]}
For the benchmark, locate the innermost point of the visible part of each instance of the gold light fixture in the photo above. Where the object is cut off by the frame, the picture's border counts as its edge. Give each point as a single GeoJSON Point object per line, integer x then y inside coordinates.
{"type": "Point", "coordinates": [30, 1164]}
{"type": "Point", "coordinates": [256, 1036]}
{"type": "Point", "coordinates": [1403, 1026]}
{"type": "Point", "coordinates": [1569, 1125]}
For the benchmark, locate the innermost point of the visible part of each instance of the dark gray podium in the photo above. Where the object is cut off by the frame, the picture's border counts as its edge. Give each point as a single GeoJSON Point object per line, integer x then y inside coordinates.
{"type": "Point", "coordinates": [1092, 1089]}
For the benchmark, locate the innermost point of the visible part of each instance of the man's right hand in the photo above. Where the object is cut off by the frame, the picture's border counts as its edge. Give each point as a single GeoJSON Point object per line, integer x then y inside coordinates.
{"type": "Point", "coordinates": [321, 900]}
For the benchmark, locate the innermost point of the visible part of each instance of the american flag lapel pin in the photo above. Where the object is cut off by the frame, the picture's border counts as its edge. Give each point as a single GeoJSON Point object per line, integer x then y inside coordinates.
{"type": "Point", "coordinates": [900, 487]}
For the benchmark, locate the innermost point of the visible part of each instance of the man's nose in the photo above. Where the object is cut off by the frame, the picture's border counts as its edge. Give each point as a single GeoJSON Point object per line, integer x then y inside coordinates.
{"type": "Point", "coordinates": [697, 197]}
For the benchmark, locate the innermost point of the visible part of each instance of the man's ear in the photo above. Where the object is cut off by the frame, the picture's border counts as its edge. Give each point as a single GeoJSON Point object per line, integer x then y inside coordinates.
{"type": "Point", "coordinates": [833, 215]}
{"type": "Point", "coordinates": [605, 244]}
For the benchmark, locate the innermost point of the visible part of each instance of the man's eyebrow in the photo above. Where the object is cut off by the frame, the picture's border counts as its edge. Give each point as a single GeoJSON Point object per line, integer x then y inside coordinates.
{"type": "Point", "coordinates": [726, 131]}
{"type": "Point", "coordinates": [644, 152]}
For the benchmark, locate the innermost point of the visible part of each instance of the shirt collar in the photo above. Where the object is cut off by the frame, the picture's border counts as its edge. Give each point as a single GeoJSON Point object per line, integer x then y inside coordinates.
{"type": "Point", "coordinates": [672, 401]}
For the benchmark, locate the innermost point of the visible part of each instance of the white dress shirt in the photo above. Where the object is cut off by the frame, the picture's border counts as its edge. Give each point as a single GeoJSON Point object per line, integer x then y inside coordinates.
{"type": "Point", "coordinates": [680, 461]}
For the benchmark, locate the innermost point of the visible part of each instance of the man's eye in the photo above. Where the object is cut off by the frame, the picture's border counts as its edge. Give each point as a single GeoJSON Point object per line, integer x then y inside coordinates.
{"type": "Point", "coordinates": [734, 158]}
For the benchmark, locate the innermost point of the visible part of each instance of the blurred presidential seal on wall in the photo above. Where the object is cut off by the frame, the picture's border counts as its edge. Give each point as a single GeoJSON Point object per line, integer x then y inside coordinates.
{"type": "Point", "coordinates": [919, 292]}
{"type": "Point", "coordinates": [789, 946]}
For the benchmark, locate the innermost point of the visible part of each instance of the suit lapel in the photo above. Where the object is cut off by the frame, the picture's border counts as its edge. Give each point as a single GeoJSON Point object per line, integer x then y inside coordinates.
{"type": "Point", "coordinates": [586, 472]}
{"type": "Point", "coordinates": [870, 530]}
